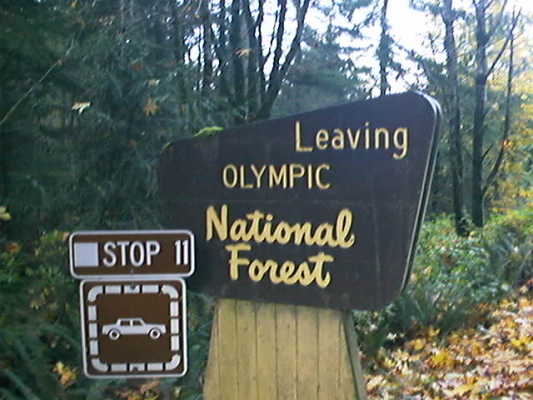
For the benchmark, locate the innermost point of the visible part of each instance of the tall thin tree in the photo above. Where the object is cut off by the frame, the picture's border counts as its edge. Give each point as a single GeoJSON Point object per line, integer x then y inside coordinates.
{"type": "Point", "coordinates": [384, 50]}
{"type": "Point", "coordinates": [486, 27]}
{"type": "Point", "coordinates": [449, 17]}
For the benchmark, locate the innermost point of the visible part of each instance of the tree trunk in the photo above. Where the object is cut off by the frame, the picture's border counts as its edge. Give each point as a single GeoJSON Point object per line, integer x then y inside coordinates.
{"type": "Point", "coordinates": [480, 94]}
{"type": "Point", "coordinates": [207, 73]}
{"type": "Point", "coordinates": [236, 48]}
{"type": "Point", "coordinates": [384, 51]}
{"type": "Point", "coordinates": [241, 57]}
{"type": "Point", "coordinates": [507, 119]}
{"type": "Point", "coordinates": [179, 53]}
{"type": "Point", "coordinates": [456, 151]}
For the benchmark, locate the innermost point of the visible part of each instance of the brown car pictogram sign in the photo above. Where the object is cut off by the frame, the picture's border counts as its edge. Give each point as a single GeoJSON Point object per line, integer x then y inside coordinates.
{"type": "Point", "coordinates": [133, 328]}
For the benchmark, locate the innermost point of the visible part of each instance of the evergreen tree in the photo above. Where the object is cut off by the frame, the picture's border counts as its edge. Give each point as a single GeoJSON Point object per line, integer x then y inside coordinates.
{"type": "Point", "coordinates": [322, 75]}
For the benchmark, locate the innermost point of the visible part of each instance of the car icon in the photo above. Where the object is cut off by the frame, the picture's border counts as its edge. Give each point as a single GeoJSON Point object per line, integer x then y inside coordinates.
{"type": "Point", "coordinates": [133, 326]}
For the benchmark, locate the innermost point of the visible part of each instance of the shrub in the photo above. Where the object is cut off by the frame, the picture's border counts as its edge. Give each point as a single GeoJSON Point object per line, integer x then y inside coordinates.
{"type": "Point", "coordinates": [454, 278]}
{"type": "Point", "coordinates": [40, 345]}
{"type": "Point", "coordinates": [508, 240]}
{"type": "Point", "coordinates": [39, 319]}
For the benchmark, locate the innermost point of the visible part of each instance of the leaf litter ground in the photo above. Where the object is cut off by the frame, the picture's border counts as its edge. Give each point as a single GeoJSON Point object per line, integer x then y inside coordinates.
{"type": "Point", "coordinates": [494, 360]}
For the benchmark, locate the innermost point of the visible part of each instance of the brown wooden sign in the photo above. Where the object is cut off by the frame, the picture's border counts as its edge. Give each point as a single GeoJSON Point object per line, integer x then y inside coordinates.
{"type": "Point", "coordinates": [133, 328]}
{"type": "Point", "coordinates": [320, 209]}
{"type": "Point", "coordinates": [119, 254]}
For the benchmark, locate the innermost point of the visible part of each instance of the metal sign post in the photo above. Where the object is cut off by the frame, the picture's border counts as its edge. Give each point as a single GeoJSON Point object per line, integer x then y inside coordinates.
{"type": "Point", "coordinates": [132, 302]}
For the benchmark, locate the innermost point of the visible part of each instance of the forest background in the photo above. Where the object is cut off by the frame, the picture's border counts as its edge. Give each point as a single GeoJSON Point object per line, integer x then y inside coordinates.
{"type": "Point", "coordinates": [92, 91]}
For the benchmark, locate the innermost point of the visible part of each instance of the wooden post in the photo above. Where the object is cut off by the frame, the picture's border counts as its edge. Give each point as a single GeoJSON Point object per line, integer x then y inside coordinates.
{"type": "Point", "coordinates": [268, 351]}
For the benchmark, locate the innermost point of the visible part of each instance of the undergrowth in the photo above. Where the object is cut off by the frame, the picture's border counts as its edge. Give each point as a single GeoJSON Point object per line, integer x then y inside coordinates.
{"type": "Point", "coordinates": [454, 284]}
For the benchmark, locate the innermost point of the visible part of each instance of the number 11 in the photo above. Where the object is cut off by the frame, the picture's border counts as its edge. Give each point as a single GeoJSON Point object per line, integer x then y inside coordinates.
{"type": "Point", "coordinates": [182, 252]}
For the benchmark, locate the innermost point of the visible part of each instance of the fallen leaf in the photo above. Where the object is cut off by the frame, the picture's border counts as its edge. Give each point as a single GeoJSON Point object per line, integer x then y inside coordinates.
{"type": "Point", "coordinates": [418, 344]}
{"type": "Point", "coordinates": [374, 383]}
{"type": "Point", "coordinates": [442, 359]}
{"type": "Point", "coordinates": [464, 389]}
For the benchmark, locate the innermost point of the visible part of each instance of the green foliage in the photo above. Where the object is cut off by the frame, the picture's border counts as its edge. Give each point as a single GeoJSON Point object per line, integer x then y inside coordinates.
{"type": "Point", "coordinates": [454, 278]}
{"type": "Point", "coordinates": [199, 319]}
{"type": "Point", "coordinates": [322, 75]}
{"type": "Point", "coordinates": [92, 91]}
{"type": "Point", "coordinates": [509, 242]}
{"type": "Point", "coordinates": [39, 320]}
{"type": "Point", "coordinates": [40, 344]}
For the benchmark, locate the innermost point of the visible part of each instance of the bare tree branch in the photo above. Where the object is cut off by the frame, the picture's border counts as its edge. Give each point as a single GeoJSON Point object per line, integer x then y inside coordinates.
{"type": "Point", "coordinates": [504, 46]}
{"type": "Point", "coordinates": [56, 64]}
{"type": "Point", "coordinates": [507, 120]}
{"type": "Point", "coordinates": [276, 80]}
{"type": "Point", "coordinates": [498, 22]}
{"type": "Point", "coordinates": [279, 40]}
{"type": "Point", "coordinates": [253, 59]}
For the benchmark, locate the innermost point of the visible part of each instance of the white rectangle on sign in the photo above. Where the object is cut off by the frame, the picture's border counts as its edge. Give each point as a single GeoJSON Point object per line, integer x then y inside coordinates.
{"type": "Point", "coordinates": [86, 254]}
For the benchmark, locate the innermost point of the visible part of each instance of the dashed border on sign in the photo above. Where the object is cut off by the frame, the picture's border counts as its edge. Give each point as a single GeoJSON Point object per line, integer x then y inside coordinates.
{"type": "Point", "coordinates": [90, 345]}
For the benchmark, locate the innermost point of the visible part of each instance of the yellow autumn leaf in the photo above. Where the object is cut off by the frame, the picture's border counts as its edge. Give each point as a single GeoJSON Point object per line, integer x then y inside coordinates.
{"type": "Point", "coordinates": [13, 247]}
{"type": "Point", "coordinates": [442, 359]}
{"type": "Point", "coordinates": [388, 363]}
{"type": "Point", "coordinates": [80, 106]}
{"type": "Point", "coordinates": [477, 349]}
{"type": "Point", "coordinates": [521, 342]}
{"type": "Point", "coordinates": [67, 375]}
{"type": "Point", "coordinates": [4, 215]}
{"type": "Point", "coordinates": [464, 389]}
{"type": "Point", "coordinates": [432, 332]}
{"type": "Point", "coordinates": [151, 107]}
{"type": "Point", "coordinates": [417, 344]}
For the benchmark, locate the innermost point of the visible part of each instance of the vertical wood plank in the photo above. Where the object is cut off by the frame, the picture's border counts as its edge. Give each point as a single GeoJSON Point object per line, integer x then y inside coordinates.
{"type": "Point", "coordinates": [307, 353]}
{"type": "Point", "coordinates": [266, 351]}
{"type": "Point", "coordinates": [246, 348]}
{"type": "Point", "coordinates": [228, 344]}
{"type": "Point", "coordinates": [286, 351]}
{"type": "Point", "coordinates": [212, 385]}
{"type": "Point", "coordinates": [282, 352]}
{"type": "Point", "coordinates": [329, 345]}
